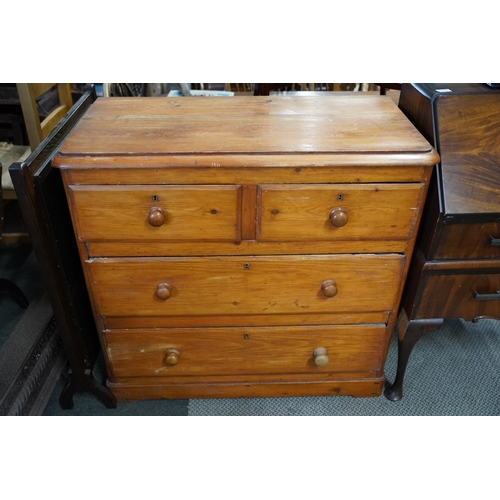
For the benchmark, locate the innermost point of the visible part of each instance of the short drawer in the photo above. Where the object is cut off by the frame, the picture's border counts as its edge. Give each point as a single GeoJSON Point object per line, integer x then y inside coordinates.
{"type": "Point", "coordinates": [156, 213]}
{"type": "Point", "coordinates": [232, 351]}
{"type": "Point", "coordinates": [240, 286]}
{"type": "Point", "coordinates": [468, 241]}
{"type": "Point", "coordinates": [460, 295]}
{"type": "Point", "coordinates": [336, 212]}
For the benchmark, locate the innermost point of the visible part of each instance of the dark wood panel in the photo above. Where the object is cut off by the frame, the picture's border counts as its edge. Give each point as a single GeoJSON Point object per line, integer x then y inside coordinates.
{"type": "Point", "coordinates": [469, 145]}
{"type": "Point", "coordinates": [468, 241]}
{"type": "Point", "coordinates": [453, 296]}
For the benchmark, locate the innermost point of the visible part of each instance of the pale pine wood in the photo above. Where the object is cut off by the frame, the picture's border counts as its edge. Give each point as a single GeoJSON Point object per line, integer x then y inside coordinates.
{"type": "Point", "coordinates": [37, 89]}
{"type": "Point", "coordinates": [328, 318]}
{"type": "Point", "coordinates": [279, 124]}
{"type": "Point", "coordinates": [199, 213]}
{"type": "Point", "coordinates": [293, 288]}
{"type": "Point", "coordinates": [291, 212]}
{"type": "Point", "coordinates": [361, 388]}
{"type": "Point", "coordinates": [39, 129]}
{"type": "Point", "coordinates": [243, 247]}
{"type": "Point", "coordinates": [142, 353]}
{"type": "Point", "coordinates": [52, 120]}
{"type": "Point", "coordinates": [243, 170]}
{"type": "Point", "coordinates": [243, 286]}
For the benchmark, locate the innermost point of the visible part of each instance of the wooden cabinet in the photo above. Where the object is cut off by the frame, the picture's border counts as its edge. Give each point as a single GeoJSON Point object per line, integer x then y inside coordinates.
{"type": "Point", "coordinates": [246, 246]}
{"type": "Point", "coordinates": [455, 272]}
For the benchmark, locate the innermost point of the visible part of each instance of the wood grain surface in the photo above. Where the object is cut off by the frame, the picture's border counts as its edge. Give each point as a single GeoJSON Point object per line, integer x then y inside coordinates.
{"type": "Point", "coordinates": [469, 145]}
{"type": "Point", "coordinates": [120, 213]}
{"type": "Point", "coordinates": [452, 295]}
{"type": "Point", "coordinates": [226, 351]}
{"type": "Point", "coordinates": [268, 125]}
{"type": "Point", "coordinates": [468, 241]}
{"type": "Point", "coordinates": [242, 286]}
{"type": "Point", "coordinates": [226, 241]}
{"type": "Point", "coordinates": [292, 212]}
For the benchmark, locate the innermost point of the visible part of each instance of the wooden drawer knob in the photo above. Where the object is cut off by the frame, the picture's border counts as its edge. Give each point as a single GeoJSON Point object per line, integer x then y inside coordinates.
{"type": "Point", "coordinates": [338, 217]}
{"type": "Point", "coordinates": [320, 357]}
{"type": "Point", "coordinates": [172, 357]}
{"type": "Point", "coordinates": [164, 291]}
{"type": "Point", "coordinates": [157, 216]}
{"type": "Point", "coordinates": [329, 288]}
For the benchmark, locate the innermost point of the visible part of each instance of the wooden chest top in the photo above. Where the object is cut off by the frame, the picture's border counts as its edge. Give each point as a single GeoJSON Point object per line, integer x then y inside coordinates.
{"type": "Point", "coordinates": [276, 125]}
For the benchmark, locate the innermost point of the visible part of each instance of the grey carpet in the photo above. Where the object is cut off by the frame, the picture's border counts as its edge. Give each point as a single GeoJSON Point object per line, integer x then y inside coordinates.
{"type": "Point", "coordinates": [453, 371]}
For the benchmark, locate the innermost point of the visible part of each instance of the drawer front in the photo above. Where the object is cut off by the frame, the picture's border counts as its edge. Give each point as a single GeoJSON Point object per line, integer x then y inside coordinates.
{"type": "Point", "coordinates": [336, 211]}
{"type": "Point", "coordinates": [226, 351]}
{"type": "Point", "coordinates": [468, 241]}
{"type": "Point", "coordinates": [212, 286]}
{"type": "Point", "coordinates": [460, 296]}
{"type": "Point", "coordinates": [157, 213]}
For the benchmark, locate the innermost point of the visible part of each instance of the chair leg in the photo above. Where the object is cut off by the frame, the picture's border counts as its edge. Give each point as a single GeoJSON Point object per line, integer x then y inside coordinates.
{"type": "Point", "coordinates": [7, 287]}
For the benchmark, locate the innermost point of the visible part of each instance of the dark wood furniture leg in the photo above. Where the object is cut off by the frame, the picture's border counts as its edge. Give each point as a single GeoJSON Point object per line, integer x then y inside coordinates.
{"type": "Point", "coordinates": [85, 383]}
{"type": "Point", "coordinates": [409, 333]}
{"type": "Point", "coordinates": [46, 214]}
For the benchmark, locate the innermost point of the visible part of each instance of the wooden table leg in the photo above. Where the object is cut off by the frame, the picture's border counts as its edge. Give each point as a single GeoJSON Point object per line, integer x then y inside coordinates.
{"type": "Point", "coordinates": [409, 333]}
{"type": "Point", "coordinates": [85, 383]}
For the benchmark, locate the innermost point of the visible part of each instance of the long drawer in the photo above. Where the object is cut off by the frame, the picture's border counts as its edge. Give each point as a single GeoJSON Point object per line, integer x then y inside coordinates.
{"type": "Point", "coordinates": [235, 351]}
{"type": "Point", "coordinates": [462, 295]}
{"type": "Point", "coordinates": [468, 241]}
{"type": "Point", "coordinates": [245, 286]}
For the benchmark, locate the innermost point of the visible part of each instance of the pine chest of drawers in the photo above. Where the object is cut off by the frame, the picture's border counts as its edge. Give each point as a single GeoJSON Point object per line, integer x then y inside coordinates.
{"type": "Point", "coordinates": [246, 246]}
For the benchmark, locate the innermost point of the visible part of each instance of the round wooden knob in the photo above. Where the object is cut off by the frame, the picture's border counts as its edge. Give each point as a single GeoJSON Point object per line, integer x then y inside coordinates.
{"type": "Point", "coordinates": [157, 216]}
{"type": "Point", "coordinates": [320, 357]}
{"type": "Point", "coordinates": [329, 288]}
{"type": "Point", "coordinates": [338, 217]}
{"type": "Point", "coordinates": [163, 291]}
{"type": "Point", "coordinates": [172, 357]}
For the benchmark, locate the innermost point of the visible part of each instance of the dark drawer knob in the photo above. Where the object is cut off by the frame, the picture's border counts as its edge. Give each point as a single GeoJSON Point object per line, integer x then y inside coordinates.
{"type": "Point", "coordinates": [164, 291]}
{"type": "Point", "coordinates": [157, 216]}
{"type": "Point", "coordinates": [320, 357]}
{"type": "Point", "coordinates": [172, 357]}
{"type": "Point", "coordinates": [329, 288]}
{"type": "Point", "coordinates": [338, 217]}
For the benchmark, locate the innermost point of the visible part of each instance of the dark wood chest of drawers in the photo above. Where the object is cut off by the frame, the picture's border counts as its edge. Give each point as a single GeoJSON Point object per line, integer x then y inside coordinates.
{"type": "Point", "coordinates": [455, 272]}
{"type": "Point", "coordinates": [246, 246]}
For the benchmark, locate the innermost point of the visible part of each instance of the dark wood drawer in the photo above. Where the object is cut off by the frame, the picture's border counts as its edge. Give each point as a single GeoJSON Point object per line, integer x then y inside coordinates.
{"type": "Point", "coordinates": [468, 241]}
{"type": "Point", "coordinates": [461, 295]}
{"type": "Point", "coordinates": [233, 351]}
